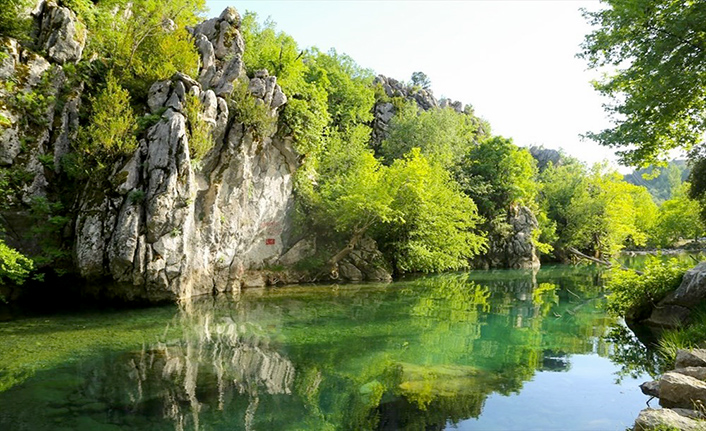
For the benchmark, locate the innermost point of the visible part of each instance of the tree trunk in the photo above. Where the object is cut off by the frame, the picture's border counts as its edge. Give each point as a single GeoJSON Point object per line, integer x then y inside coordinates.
{"type": "Point", "coordinates": [599, 261]}
{"type": "Point", "coordinates": [332, 263]}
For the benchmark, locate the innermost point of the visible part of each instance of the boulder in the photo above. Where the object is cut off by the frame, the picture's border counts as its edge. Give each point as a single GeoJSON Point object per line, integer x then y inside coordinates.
{"type": "Point", "coordinates": [299, 251]}
{"type": "Point", "coordinates": [650, 419]}
{"type": "Point", "coordinates": [650, 388]}
{"type": "Point", "coordinates": [692, 290]}
{"type": "Point", "coordinates": [676, 308]}
{"type": "Point", "coordinates": [690, 358]}
{"type": "Point", "coordinates": [365, 262]}
{"type": "Point", "coordinates": [698, 372]}
{"type": "Point", "coordinates": [678, 390]}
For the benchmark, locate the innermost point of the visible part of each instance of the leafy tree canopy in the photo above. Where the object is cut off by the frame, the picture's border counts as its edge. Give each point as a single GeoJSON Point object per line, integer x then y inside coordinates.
{"type": "Point", "coordinates": [658, 49]}
{"type": "Point", "coordinates": [441, 134]}
{"type": "Point", "coordinates": [678, 218]}
{"type": "Point", "coordinates": [421, 80]}
{"type": "Point", "coordinates": [595, 211]}
{"type": "Point", "coordinates": [497, 174]}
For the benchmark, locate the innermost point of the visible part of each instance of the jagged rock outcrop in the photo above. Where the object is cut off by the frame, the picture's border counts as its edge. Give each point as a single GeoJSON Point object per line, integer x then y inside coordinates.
{"type": "Point", "coordinates": [515, 250]}
{"type": "Point", "coordinates": [60, 34]}
{"type": "Point", "coordinates": [365, 263]}
{"type": "Point", "coordinates": [173, 228]}
{"type": "Point", "coordinates": [384, 111]}
{"type": "Point", "coordinates": [520, 251]}
{"type": "Point", "coordinates": [29, 138]}
{"type": "Point", "coordinates": [168, 226]}
{"type": "Point", "coordinates": [681, 392]}
{"type": "Point", "coordinates": [544, 156]}
{"type": "Point", "coordinates": [675, 309]}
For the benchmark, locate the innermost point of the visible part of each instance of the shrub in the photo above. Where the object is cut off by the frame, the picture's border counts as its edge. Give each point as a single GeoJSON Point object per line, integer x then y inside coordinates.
{"type": "Point", "coordinates": [14, 266]}
{"type": "Point", "coordinates": [633, 294]}
{"type": "Point", "coordinates": [14, 21]}
{"type": "Point", "coordinates": [200, 141]}
{"type": "Point", "coordinates": [251, 111]}
{"type": "Point", "coordinates": [111, 130]}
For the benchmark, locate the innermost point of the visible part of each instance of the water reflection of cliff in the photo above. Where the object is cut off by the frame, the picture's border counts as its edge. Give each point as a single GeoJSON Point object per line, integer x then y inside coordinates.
{"type": "Point", "coordinates": [413, 355]}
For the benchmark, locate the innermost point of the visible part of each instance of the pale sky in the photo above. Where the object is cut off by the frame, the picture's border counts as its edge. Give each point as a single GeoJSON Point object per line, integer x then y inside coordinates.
{"type": "Point", "coordinates": [513, 60]}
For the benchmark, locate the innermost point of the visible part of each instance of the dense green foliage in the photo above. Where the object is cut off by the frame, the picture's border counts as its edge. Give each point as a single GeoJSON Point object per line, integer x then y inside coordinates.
{"type": "Point", "coordinates": [661, 182]}
{"type": "Point", "coordinates": [437, 226]}
{"type": "Point", "coordinates": [110, 132]}
{"type": "Point", "coordinates": [498, 175]}
{"type": "Point", "coordinates": [441, 134]}
{"type": "Point", "coordinates": [14, 21]}
{"type": "Point", "coordinates": [633, 293]}
{"type": "Point", "coordinates": [678, 219]}
{"type": "Point", "coordinates": [137, 40]}
{"type": "Point", "coordinates": [657, 48]}
{"type": "Point", "coordinates": [594, 210]}
{"type": "Point", "coordinates": [14, 267]}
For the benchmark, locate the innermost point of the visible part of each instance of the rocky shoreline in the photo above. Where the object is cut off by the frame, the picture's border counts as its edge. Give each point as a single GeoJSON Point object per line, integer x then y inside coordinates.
{"type": "Point", "coordinates": [681, 393]}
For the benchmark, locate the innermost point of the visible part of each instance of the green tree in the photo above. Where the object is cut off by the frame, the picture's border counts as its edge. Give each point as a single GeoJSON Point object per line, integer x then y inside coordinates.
{"type": "Point", "coordinates": [437, 230]}
{"type": "Point", "coordinates": [497, 175]}
{"type": "Point", "coordinates": [143, 41]}
{"type": "Point", "coordinates": [678, 218]}
{"type": "Point", "coordinates": [441, 134]}
{"type": "Point", "coordinates": [421, 80]}
{"type": "Point", "coordinates": [658, 50]}
{"type": "Point", "coordinates": [595, 212]}
{"type": "Point", "coordinates": [111, 128]}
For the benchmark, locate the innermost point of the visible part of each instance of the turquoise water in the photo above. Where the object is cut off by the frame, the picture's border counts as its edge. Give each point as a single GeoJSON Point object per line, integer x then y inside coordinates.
{"type": "Point", "coordinates": [498, 350]}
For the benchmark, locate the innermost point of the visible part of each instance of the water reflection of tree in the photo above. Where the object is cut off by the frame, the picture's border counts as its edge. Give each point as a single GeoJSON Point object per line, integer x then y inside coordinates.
{"type": "Point", "coordinates": [360, 357]}
{"type": "Point", "coordinates": [634, 358]}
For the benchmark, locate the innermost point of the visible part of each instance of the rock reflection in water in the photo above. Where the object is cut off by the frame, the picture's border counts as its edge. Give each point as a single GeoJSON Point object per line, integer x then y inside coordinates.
{"type": "Point", "coordinates": [212, 366]}
{"type": "Point", "coordinates": [418, 354]}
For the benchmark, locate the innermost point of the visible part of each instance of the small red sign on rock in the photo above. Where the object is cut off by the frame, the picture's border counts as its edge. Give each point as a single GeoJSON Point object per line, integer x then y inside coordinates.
{"type": "Point", "coordinates": [270, 241]}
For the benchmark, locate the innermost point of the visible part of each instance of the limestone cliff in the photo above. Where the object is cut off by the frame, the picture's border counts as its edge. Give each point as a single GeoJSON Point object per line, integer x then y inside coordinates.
{"type": "Point", "coordinates": [199, 228]}
{"type": "Point", "coordinates": [169, 226]}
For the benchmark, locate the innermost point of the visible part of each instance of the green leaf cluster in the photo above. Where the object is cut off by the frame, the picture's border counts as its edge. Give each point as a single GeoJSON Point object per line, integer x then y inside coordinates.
{"type": "Point", "coordinates": [656, 50]}
{"type": "Point", "coordinates": [200, 141]}
{"type": "Point", "coordinates": [595, 211]}
{"type": "Point", "coordinates": [442, 134]}
{"type": "Point", "coordinates": [14, 266]}
{"type": "Point", "coordinates": [137, 41]}
{"type": "Point", "coordinates": [678, 219]}
{"type": "Point", "coordinates": [110, 132]}
{"type": "Point", "coordinates": [497, 175]}
{"type": "Point", "coordinates": [631, 294]}
{"type": "Point", "coordinates": [15, 20]}
{"type": "Point", "coordinates": [437, 230]}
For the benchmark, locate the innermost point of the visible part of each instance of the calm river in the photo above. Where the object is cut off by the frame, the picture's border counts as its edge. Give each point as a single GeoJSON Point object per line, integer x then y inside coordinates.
{"type": "Point", "coordinates": [487, 350]}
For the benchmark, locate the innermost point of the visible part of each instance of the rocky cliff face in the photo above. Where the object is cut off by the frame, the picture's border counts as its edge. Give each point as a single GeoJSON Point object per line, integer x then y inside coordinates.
{"type": "Point", "coordinates": [516, 249]}
{"type": "Point", "coordinates": [169, 226]}
{"type": "Point", "coordinates": [197, 229]}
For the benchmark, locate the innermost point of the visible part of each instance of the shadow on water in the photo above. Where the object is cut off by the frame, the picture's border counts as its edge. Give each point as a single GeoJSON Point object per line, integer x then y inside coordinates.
{"type": "Point", "coordinates": [418, 354]}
